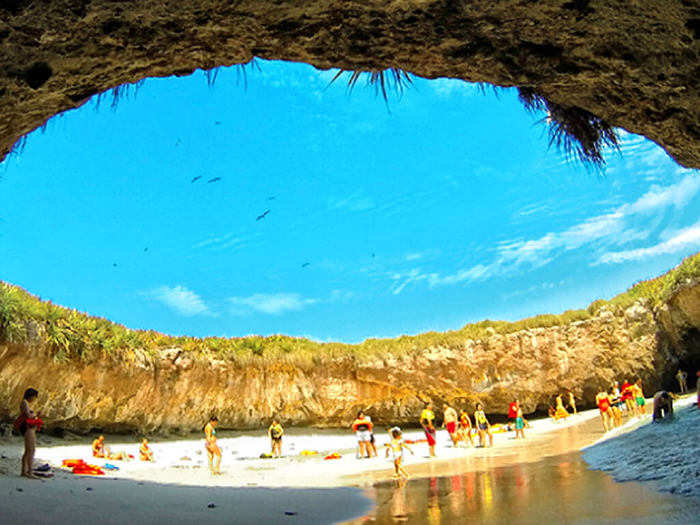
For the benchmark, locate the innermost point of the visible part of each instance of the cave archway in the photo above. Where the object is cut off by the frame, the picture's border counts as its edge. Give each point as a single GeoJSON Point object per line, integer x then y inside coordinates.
{"type": "Point", "coordinates": [632, 65]}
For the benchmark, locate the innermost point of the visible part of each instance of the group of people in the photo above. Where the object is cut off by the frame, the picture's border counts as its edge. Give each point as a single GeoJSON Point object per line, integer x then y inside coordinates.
{"type": "Point", "coordinates": [612, 402]}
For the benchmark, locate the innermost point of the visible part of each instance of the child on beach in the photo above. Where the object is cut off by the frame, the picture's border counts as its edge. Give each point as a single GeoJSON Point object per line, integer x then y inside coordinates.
{"type": "Point", "coordinates": [482, 425]}
{"type": "Point", "coordinates": [519, 425]}
{"type": "Point", "coordinates": [396, 447]}
{"type": "Point", "coordinates": [145, 452]}
{"type": "Point", "coordinates": [275, 432]}
{"type": "Point", "coordinates": [213, 450]}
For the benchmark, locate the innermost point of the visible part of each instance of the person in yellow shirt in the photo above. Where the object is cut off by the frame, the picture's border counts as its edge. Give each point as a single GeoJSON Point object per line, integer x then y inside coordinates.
{"type": "Point", "coordinates": [275, 432]}
{"type": "Point", "coordinates": [483, 426]}
{"type": "Point", "coordinates": [426, 420]}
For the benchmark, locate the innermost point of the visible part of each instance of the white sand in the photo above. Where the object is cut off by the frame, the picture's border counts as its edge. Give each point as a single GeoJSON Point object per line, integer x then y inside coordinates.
{"type": "Point", "coordinates": [178, 490]}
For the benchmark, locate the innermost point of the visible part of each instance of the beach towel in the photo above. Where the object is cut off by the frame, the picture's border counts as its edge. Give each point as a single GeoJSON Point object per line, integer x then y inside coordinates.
{"type": "Point", "coordinates": [335, 455]}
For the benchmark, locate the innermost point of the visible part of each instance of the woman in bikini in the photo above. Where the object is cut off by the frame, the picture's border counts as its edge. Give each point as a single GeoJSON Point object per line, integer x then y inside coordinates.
{"type": "Point", "coordinates": [212, 447]}
{"type": "Point", "coordinates": [362, 426]}
{"type": "Point", "coordinates": [603, 401]}
{"type": "Point", "coordinates": [482, 425]}
{"type": "Point", "coordinates": [27, 424]}
{"type": "Point", "coordinates": [465, 427]}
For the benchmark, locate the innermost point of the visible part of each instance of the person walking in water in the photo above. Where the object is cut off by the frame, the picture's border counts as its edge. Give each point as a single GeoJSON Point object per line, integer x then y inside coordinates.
{"type": "Point", "coordinates": [572, 400]}
{"type": "Point", "coordinates": [213, 450]}
{"type": "Point", "coordinates": [363, 431]}
{"type": "Point", "coordinates": [275, 433]}
{"type": "Point", "coordinates": [602, 399]}
{"type": "Point", "coordinates": [682, 377]}
{"type": "Point", "coordinates": [483, 426]}
{"type": "Point", "coordinates": [27, 424]}
{"type": "Point", "coordinates": [396, 447]}
{"type": "Point", "coordinates": [426, 420]}
{"type": "Point", "coordinates": [450, 423]}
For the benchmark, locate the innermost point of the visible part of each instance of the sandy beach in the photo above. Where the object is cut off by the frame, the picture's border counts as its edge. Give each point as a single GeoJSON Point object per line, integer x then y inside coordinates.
{"type": "Point", "coordinates": [178, 486]}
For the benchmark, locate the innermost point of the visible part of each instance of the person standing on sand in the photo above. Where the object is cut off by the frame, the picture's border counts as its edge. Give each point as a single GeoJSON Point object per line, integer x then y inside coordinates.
{"type": "Point", "coordinates": [450, 423]}
{"type": "Point", "coordinates": [628, 397]}
{"type": "Point", "coordinates": [465, 427]}
{"type": "Point", "coordinates": [682, 377]}
{"type": "Point", "coordinates": [560, 412]}
{"type": "Point", "coordinates": [275, 433]}
{"type": "Point", "coordinates": [213, 450]}
{"type": "Point", "coordinates": [572, 400]}
{"type": "Point", "coordinates": [396, 447]}
{"type": "Point", "coordinates": [513, 412]}
{"type": "Point", "coordinates": [604, 405]}
{"type": "Point", "coordinates": [519, 425]}
{"type": "Point", "coordinates": [426, 420]}
{"type": "Point", "coordinates": [145, 452]}
{"type": "Point", "coordinates": [483, 426]}
{"type": "Point", "coordinates": [617, 403]}
{"type": "Point", "coordinates": [362, 426]}
{"type": "Point", "coordinates": [27, 424]}
{"type": "Point", "coordinates": [638, 394]}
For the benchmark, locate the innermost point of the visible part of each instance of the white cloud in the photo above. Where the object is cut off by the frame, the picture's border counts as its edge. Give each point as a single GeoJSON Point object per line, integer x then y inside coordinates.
{"type": "Point", "coordinates": [352, 202]}
{"type": "Point", "coordinates": [446, 87]}
{"type": "Point", "coordinates": [273, 304]}
{"type": "Point", "coordinates": [180, 299]}
{"type": "Point", "coordinates": [683, 239]}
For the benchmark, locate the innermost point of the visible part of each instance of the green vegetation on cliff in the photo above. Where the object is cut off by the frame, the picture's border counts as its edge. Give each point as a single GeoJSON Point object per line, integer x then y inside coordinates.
{"type": "Point", "coordinates": [69, 334]}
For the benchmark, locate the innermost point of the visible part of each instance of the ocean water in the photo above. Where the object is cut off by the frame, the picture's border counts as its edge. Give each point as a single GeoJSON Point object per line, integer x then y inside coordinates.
{"type": "Point", "coordinates": [667, 454]}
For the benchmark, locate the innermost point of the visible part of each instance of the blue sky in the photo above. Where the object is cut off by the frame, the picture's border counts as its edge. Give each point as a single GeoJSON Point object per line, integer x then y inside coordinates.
{"type": "Point", "coordinates": [446, 207]}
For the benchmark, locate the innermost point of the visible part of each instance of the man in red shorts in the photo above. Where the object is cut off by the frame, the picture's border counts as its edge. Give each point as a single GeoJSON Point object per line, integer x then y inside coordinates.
{"type": "Point", "coordinates": [450, 422]}
{"type": "Point", "coordinates": [426, 420]}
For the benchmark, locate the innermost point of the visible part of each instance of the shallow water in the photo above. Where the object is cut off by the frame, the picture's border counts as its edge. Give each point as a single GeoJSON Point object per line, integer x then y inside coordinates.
{"type": "Point", "coordinates": [559, 489]}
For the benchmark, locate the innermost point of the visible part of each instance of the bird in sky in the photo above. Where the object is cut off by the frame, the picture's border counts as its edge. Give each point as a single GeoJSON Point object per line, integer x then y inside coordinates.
{"type": "Point", "coordinates": [272, 198]}
{"type": "Point", "coordinates": [215, 179]}
{"type": "Point", "coordinates": [217, 123]}
{"type": "Point", "coordinates": [196, 178]}
{"type": "Point", "coordinates": [178, 142]}
{"type": "Point", "coordinates": [263, 215]}
{"type": "Point", "coordinates": [145, 249]}
{"type": "Point", "coordinates": [114, 265]}
{"type": "Point", "coordinates": [305, 264]}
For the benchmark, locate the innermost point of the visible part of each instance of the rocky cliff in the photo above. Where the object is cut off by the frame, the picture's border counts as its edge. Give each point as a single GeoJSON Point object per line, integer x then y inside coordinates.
{"type": "Point", "coordinates": [633, 64]}
{"type": "Point", "coordinates": [174, 392]}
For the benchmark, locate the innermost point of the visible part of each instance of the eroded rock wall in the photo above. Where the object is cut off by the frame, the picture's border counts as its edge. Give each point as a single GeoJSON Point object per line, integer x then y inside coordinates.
{"type": "Point", "coordinates": [633, 63]}
{"type": "Point", "coordinates": [175, 392]}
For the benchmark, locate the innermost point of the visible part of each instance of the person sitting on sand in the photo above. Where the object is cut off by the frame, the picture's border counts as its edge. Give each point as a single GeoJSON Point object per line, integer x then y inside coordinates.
{"type": "Point", "coordinates": [450, 423]}
{"type": "Point", "coordinates": [27, 424]}
{"type": "Point", "coordinates": [396, 447]}
{"type": "Point", "coordinates": [572, 400]}
{"type": "Point", "coordinates": [560, 412]}
{"type": "Point", "coordinates": [483, 426]}
{"type": "Point", "coordinates": [602, 399]}
{"type": "Point", "coordinates": [519, 425]}
{"type": "Point", "coordinates": [213, 450]}
{"type": "Point", "coordinates": [362, 426]}
{"type": "Point", "coordinates": [145, 452]}
{"type": "Point", "coordinates": [663, 406]}
{"type": "Point", "coordinates": [276, 432]}
{"type": "Point", "coordinates": [100, 450]}
{"type": "Point", "coordinates": [465, 427]}
{"type": "Point", "coordinates": [426, 421]}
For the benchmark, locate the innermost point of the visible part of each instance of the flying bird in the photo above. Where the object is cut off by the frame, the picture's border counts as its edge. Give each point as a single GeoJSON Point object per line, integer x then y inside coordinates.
{"type": "Point", "coordinates": [305, 264]}
{"type": "Point", "coordinates": [217, 123]}
{"type": "Point", "coordinates": [215, 179]}
{"type": "Point", "coordinates": [178, 142]}
{"type": "Point", "coordinates": [263, 215]}
{"type": "Point", "coordinates": [196, 178]}
{"type": "Point", "coordinates": [145, 249]}
{"type": "Point", "coordinates": [114, 264]}
{"type": "Point", "coordinates": [272, 198]}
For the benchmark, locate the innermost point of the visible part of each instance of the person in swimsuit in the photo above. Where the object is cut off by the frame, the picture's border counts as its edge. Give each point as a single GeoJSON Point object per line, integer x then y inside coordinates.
{"type": "Point", "coordinates": [27, 423]}
{"type": "Point", "coordinates": [513, 411]}
{"type": "Point", "coordinates": [628, 397]}
{"type": "Point", "coordinates": [682, 377]}
{"type": "Point", "coordinates": [213, 450]}
{"type": "Point", "coordinates": [572, 400]}
{"type": "Point", "coordinates": [603, 401]}
{"type": "Point", "coordinates": [145, 452]}
{"type": "Point", "coordinates": [362, 426]}
{"type": "Point", "coordinates": [560, 412]}
{"type": "Point", "coordinates": [617, 403]}
{"type": "Point", "coordinates": [100, 450]}
{"type": "Point", "coordinates": [450, 423]}
{"type": "Point", "coordinates": [638, 394]}
{"type": "Point", "coordinates": [372, 441]}
{"type": "Point", "coordinates": [396, 446]}
{"type": "Point", "coordinates": [426, 421]}
{"type": "Point", "coordinates": [519, 425]}
{"type": "Point", "coordinates": [276, 432]}
{"type": "Point", "coordinates": [465, 427]}
{"type": "Point", "coordinates": [483, 426]}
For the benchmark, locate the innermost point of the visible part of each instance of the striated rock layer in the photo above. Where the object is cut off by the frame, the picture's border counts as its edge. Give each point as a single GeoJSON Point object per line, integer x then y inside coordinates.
{"type": "Point", "coordinates": [632, 63]}
{"type": "Point", "coordinates": [173, 392]}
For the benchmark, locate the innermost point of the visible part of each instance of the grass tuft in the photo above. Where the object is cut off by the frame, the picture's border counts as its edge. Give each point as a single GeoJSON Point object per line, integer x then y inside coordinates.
{"type": "Point", "coordinates": [391, 79]}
